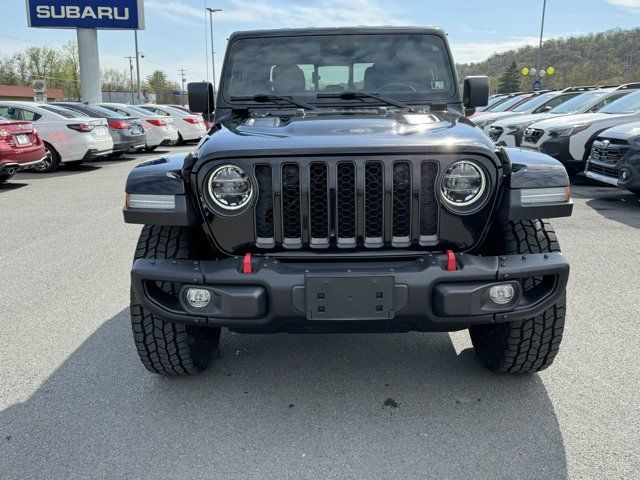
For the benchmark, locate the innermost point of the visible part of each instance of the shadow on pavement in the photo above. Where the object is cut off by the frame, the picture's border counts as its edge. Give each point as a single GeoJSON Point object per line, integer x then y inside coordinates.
{"type": "Point", "coordinates": [284, 406]}
{"type": "Point", "coordinates": [11, 185]}
{"type": "Point", "coordinates": [612, 203]}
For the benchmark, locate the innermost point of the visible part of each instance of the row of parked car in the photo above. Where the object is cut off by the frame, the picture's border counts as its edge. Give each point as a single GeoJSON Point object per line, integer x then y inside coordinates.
{"type": "Point", "coordinates": [591, 129]}
{"type": "Point", "coordinates": [41, 136]}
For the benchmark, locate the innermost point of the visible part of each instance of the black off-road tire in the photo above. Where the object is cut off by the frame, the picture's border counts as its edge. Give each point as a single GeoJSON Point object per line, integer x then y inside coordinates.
{"type": "Point", "coordinates": [166, 348]}
{"type": "Point", "coordinates": [530, 345]}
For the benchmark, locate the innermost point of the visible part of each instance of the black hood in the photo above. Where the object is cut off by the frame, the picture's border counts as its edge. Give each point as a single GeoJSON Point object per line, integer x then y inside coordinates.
{"type": "Point", "coordinates": [344, 132]}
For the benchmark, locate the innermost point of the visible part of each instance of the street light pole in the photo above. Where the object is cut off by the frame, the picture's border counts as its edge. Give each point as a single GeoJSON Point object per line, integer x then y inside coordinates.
{"type": "Point", "coordinates": [213, 54]}
{"type": "Point", "coordinates": [135, 32]}
{"type": "Point", "coordinates": [544, 11]}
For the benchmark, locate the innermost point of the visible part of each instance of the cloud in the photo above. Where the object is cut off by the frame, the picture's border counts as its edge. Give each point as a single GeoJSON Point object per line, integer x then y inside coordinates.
{"type": "Point", "coordinates": [320, 13]}
{"type": "Point", "coordinates": [631, 5]}
{"type": "Point", "coordinates": [479, 51]}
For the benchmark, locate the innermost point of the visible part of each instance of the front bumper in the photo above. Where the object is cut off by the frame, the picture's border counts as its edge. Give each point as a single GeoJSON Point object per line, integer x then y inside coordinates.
{"type": "Point", "coordinates": [624, 173]}
{"type": "Point", "coordinates": [417, 294]}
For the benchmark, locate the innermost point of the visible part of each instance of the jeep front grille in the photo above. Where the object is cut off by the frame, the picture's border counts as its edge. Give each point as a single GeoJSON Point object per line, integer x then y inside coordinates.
{"type": "Point", "coordinates": [346, 204]}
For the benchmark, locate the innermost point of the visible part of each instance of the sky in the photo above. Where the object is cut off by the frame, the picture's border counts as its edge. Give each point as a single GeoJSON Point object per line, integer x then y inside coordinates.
{"type": "Point", "coordinates": [175, 38]}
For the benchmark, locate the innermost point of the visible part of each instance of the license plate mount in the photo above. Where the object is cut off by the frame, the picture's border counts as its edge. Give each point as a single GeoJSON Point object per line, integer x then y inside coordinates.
{"type": "Point", "coordinates": [350, 298]}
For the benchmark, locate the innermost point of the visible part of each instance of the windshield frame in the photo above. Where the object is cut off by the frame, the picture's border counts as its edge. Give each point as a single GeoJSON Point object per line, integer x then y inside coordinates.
{"type": "Point", "coordinates": [224, 97]}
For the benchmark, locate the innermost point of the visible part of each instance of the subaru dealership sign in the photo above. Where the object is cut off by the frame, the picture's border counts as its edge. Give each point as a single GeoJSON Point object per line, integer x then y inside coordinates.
{"type": "Point", "coordinates": [106, 14]}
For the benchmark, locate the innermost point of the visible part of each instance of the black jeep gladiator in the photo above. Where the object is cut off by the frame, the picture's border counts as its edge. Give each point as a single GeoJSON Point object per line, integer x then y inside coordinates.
{"type": "Point", "coordinates": [342, 189]}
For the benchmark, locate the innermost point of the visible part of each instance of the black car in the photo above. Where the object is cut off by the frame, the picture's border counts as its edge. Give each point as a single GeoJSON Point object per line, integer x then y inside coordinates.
{"type": "Point", "coordinates": [343, 189]}
{"type": "Point", "coordinates": [615, 157]}
{"type": "Point", "coordinates": [127, 133]}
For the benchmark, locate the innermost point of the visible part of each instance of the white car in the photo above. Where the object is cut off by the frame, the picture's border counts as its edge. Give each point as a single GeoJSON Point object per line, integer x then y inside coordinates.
{"type": "Point", "coordinates": [569, 138]}
{"type": "Point", "coordinates": [535, 104]}
{"type": "Point", "coordinates": [509, 132]}
{"type": "Point", "coordinates": [160, 130]}
{"type": "Point", "coordinates": [189, 126]}
{"type": "Point", "coordinates": [69, 137]}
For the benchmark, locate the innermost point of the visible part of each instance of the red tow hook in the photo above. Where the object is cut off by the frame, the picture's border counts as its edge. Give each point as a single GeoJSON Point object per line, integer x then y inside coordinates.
{"type": "Point", "coordinates": [451, 261]}
{"type": "Point", "coordinates": [247, 268]}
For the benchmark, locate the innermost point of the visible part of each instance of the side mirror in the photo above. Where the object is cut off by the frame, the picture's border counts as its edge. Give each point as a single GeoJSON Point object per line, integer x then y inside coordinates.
{"type": "Point", "coordinates": [545, 109]}
{"type": "Point", "coordinates": [201, 97]}
{"type": "Point", "coordinates": [475, 92]}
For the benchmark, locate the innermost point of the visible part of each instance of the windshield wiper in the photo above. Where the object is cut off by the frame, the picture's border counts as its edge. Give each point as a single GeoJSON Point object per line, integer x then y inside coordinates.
{"type": "Point", "coordinates": [359, 95]}
{"type": "Point", "coordinates": [270, 97]}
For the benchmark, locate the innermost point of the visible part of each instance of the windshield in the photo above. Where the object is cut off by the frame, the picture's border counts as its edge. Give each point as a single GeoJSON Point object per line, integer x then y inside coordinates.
{"type": "Point", "coordinates": [507, 104]}
{"type": "Point", "coordinates": [579, 102]}
{"type": "Point", "coordinates": [534, 102]}
{"type": "Point", "coordinates": [63, 111]}
{"type": "Point", "coordinates": [404, 67]}
{"type": "Point", "coordinates": [627, 104]}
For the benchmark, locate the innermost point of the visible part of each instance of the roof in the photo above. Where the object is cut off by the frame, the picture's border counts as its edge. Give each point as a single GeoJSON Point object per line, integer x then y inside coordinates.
{"type": "Point", "coordinates": [291, 32]}
{"type": "Point", "coordinates": [16, 91]}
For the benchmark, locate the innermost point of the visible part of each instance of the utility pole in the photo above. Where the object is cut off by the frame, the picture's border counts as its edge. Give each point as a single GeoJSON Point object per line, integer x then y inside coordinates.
{"type": "Point", "coordinates": [131, 75]}
{"type": "Point", "coordinates": [213, 53]}
{"type": "Point", "coordinates": [544, 11]}
{"type": "Point", "coordinates": [135, 32]}
{"type": "Point", "coordinates": [182, 77]}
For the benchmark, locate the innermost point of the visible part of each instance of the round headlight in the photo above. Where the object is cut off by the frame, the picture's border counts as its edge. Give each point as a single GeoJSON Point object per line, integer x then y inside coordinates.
{"type": "Point", "coordinates": [463, 183]}
{"type": "Point", "coordinates": [230, 187]}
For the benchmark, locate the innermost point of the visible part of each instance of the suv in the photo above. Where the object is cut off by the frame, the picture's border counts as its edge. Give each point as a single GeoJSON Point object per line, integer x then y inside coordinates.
{"type": "Point", "coordinates": [342, 189]}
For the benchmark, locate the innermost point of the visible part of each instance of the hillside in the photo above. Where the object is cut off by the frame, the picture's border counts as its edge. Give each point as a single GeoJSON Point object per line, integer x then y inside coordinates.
{"type": "Point", "coordinates": [598, 58]}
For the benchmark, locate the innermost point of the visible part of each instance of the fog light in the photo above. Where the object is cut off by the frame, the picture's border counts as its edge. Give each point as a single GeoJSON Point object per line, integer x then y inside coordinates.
{"type": "Point", "coordinates": [198, 297]}
{"type": "Point", "coordinates": [502, 294]}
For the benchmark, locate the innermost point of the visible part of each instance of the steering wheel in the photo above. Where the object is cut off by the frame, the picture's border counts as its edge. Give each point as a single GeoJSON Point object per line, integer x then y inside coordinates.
{"type": "Point", "coordinates": [397, 87]}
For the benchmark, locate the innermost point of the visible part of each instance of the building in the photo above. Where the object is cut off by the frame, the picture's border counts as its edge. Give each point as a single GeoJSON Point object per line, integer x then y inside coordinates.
{"type": "Point", "coordinates": [14, 92]}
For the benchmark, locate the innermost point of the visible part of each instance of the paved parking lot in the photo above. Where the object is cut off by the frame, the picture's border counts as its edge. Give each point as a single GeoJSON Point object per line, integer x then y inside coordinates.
{"type": "Point", "coordinates": [76, 403]}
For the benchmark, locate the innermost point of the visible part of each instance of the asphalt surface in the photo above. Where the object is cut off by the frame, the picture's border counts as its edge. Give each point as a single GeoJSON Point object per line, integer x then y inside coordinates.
{"type": "Point", "coordinates": [76, 403]}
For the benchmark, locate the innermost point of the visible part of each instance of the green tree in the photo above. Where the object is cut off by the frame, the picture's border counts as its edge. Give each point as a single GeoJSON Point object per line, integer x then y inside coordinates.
{"type": "Point", "coordinates": [114, 80]}
{"type": "Point", "coordinates": [69, 70]}
{"type": "Point", "coordinates": [160, 85]}
{"type": "Point", "coordinates": [510, 79]}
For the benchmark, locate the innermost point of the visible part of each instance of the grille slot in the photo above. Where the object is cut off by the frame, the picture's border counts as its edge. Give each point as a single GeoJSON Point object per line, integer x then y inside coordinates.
{"type": "Point", "coordinates": [264, 206]}
{"type": "Point", "coordinates": [401, 202]}
{"type": "Point", "coordinates": [291, 220]}
{"type": "Point", "coordinates": [319, 203]}
{"type": "Point", "coordinates": [346, 204]}
{"type": "Point", "coordinates": [428, 204]}
{"type": "Point", "coordinates": [373, 203]}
